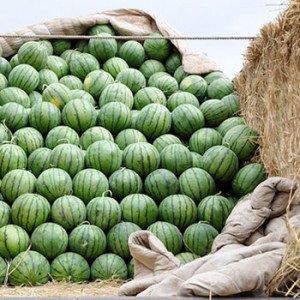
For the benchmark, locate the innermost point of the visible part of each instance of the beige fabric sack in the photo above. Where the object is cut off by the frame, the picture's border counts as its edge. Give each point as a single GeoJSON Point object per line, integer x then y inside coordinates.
{"type": "Point", "coordinates": [244, 257]}
{"type": "Point", "coordinates": [126, 22]}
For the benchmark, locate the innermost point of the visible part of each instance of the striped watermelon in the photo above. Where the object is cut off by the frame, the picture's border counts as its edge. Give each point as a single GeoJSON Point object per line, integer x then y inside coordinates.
{"type": "Point", "coordinates": [214, 210]}
{"type": "Point", "coordinates": [139, 209]}
{"type": "Point", "coordinates": [61, 135]}
{"type": "Point", "coordinates": [68, 211]}
{"type": "Point", "coordinates": [109, 266]}
{"type": "Point", "coordinates": [168, 234]}
{"type": "Point", "coordinates": [81, 94]}
{"type": "Point", "coordinates": [11, 157]}
{"type": "Point", "coordinates": [195, 85]}
{"type": "Point", "coordinates": [96, 81]}
{"type": "Point", "coordinates": [54, 183]}
{"type": "Point", "coordinates": [5, 67]}
{"type": "Point", "coordinates": [229, 123]}
{"type": "Point", "coordinates": [4, 134]}
{"type": "Point", "coordinates": [133, 53]}
{"type": "Point", "coordinates": [14, 61]}
{"type": "Point", "coordinates": [176, 158]}
{"type": "Point", "coordinates": [70, 267]}
{"type": "Point", "coordinates": [13, 240]}
{"type": "Point", "coordinates": [242, 140]}
{"type": "Point", "coordinates": [198, 238]}
{"type": "Point", "coordinates": [47, 44]}
{"type": "Point", "coordinates": [67, 157]}
{"type": "Point", "coordinates": [134, 115]}
{"type": "Point", "coordinates": [14, 94]}
{"type": "Point", "coordinates": [88, 184]}
{"type": "Point", "coordinates": [247, 178]}
{"type": "Point", "coordinates": [88, 241]}
{"type": "Point", "coordinates": [203, 139]}
{"type": "Point", "coordinates": [72, 82]}
{"type": "Point", "coordinates": [35, 98]}
{"type": "Point", "coordinates": [161, 183]}
{"type": "Point", "coordinates": [60, 45]}
{"type": "Point", "coordinates": [132, 78]}
{"type": "Point", "coordinates": [197, 184]}
{"type": "Point", "coordinates": [104, 212]}
{"type": "Point", "coordinates": [129, 136]}
{"type": "Point", "coordinates": [147, 96]}
{"type": "Point", "coordinates": [154, 120]}
{"type": "Point", "coordinates": [220, 88]}
{"type": "Point", "coordinates": [38, 161]}
{"type": "Point", "coordinates": [4, 217]}
{"type": "Point", "coordinates": [100, 28]}
{"type": "Point", "coordinates": [130, 268]}
{"type": "Point", "coordinates": [57, 94]}
{"type": "Point", "coordinates": [212, 76]}
{"type": "Point", "coordinates": [103, 49]}
{"type": "Point", "coordinates": [94, 134]}
{"type": "Point", "coordinates": [214, 112]}
{"type": "Point", "coordinates": [49, 239]}
{"type": "Point", "coordinates": [186, 257]}
{"type": "Point", "coordinates": [163, 81]}
{"type": "Point", "coordinates": [68, 54]}
{"type": "Point", "coordinates": [16, 183]}
{"type": "Point", "coordinates": [79, 115]}
{"type": "Point", "coordinates": [3, 270]}
{"type": "Point", "coordinates": [142, 158]}
{"type": "Point", "coordinates": [179, 98]}
{"type": "Point", "coordinates": [221, 163]}
{"type": "Point", "coordinates": [29, 268]}
{"type": "Point", "coordinates": [165, 140]}
{"type": "Point", "coordinates": [186, 119]}
{"type": "Point", "coordinates": [117, 238]}
{"type": "Point", "coordinates": [29, 211]}
{"type": "Point", "coordinates": [179, 210]}
{"type": "Point", "coordinates": [44, 116]}
{"type": "Point", "coordinates": [173, 62]}
{"type": "Point", "coordinates": [124, 182]}
{"type": "Point", "coordinates": [232, 103]}
{"type": "Point", "coordinates": [116, 92]}
{"type": "Point", "coordinates": [151, 66]}
{"type": "Point", "coordinates": [114, 66]}
{"type": "Point", "coordinates": [46, 77]}
{"type": "Point", "coordinates": [158, 49]}
{"type": "Point", "coordinates": [58, 65]}
{"type": "Point", "coordinates": [82, 64]}
{"type": "Point", "coordinates": [104, 156]}
{"type": "Point", "coordinates": [197, 160]}
{"type": "Point", "coordinates": [3, 82]}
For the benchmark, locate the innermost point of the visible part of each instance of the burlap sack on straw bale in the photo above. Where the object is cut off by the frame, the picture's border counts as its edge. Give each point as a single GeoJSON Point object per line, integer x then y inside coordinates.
{"type": "Point", "coordinates": [234, 266]}
{"type": "Point", "coordinates": [130, 22]}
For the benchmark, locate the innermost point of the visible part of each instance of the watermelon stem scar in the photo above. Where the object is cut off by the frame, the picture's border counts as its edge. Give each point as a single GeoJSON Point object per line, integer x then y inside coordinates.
{"type": "Point", "coordinates": [110, 193]}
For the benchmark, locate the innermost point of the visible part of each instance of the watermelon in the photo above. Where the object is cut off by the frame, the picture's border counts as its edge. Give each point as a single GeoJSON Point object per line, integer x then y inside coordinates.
{"type": "Point", "coordinates": [195, 85]}
{"type": "Point", "coordinates": [81, 46]}
{"type": "Point", "coordinates": [221, 163]}
{"type": "Point", "coordinates": [54, 183]}
{"type": "Point", "coordinates": [116, 92]}
{"type": "Point", "coordinates": [247, 178]}
{"type": "Point", "coordinates": [38, 161]}
{"type": "Point", "coordinates": [186, 257]}
{"type": "Point", "coordinates": [81, 94]}
{"type": "Point", "coordinates": [14, 61]}
{"type": "Point", "coordinates": [16, 95]}
{"type": "Point", "coordinates": [100, 28]}
{"type": "Point", "coordinates": [203, 139]}
{"type": "Point", "coordinates": [94, 134]}
{"type": "Point", "coordinates": [163, 81]}
{"type": "Point", "coordinates": [114, 66]}
{"type": "Point", "coordinates": [232, 103]}
{"type": "Point", "coordinates": [242, 140]}
{"type": "Point", "coordinates": [48, 46]}
{"type": "Point", "coordinates": [35, 97]}
{"type": "Point", "coordinates": [176, 158]}
{"type": "Point", "coordinates": [151, 66]}
{"type": "Point", "coordinates": [141, 157]}
{"type": "Point", "coordinates": [79, 115]}
{"type": "Point", "coordinates": [3, 82]}
{"type": "Point", "coordinates": [72, 82]}
{"type": "Point", "coordinates": [70, 267]}
{"type": "Point", "coordinates": [212, 76]}
{"type": "Point", "coordinates": [5, 67]}
{"type": "Point", "coordinates": [29, 268]}
{"type": "Point", "coordinates": [61, 135]}
{"type": "Point", "coordinates": [13, 240]}
{"type": "Point", "coordinates": [198, 238]}
{"type": "Point", "coordinates": [103, 49]}
{"type": "Point", "coordinates": [129, 136]}
{"type": "Point", "coordinates": [229, 123]}
{"type": "Point", "coordinates": [4, 218]}
{"type": "Point", "coordinates": [49, 239]}
{"type": "Point", "coordinates": [168, 234]}
{"type": "Point", "coordinates": [197, 160]}
{"type": "Point", "coordinates": [68, 54]}
{"type": "Point", "coordinates": [147, 96]}
{"type": "Point", "coordinates": [179, 98]}
{"type": "Point", "coordinates": [60, 45]}
{"type": "Point", "coordinates": [173, 62]}
{"type": "Point", "coordinates": [57, 94]}
{"type": "Point", "coordinates": [117, 238]}
{"type": "Point", "coordinates": [67, 157]}
{"type": "Point", "coordinates": [29, 211]}
{"type": "Point", "coordinates": [130, 268]}
{"type": "Point", "coordinates": [186, 119]}
{"type": "Point", "coordinates": [3, 271]}
{"type": "Point", "coordinates": [104, 212]}
{"type": "Point", "coordinates": [220, 88]}
{"type": "Point", "coordinates": [139, 209]}
{"type": "Point", "coordinates": [160, 184]}
{"type": "Point", "coordinates": [133, 53]}
{"type": "Point", "coordinates": [179, 210]}
{"type": "Point", "coordinates": [132, 78]}
{"type": "Point", "coordinates": [46, 77]}
{"type": "Point", "coordinates": [158, 49]}
{"type": "Point", "coordinates": [88, 241]}
{"type": "Point", "coordinates": [4, 134]}
{"type": "Point", "coordinates": [68, 211]}
{"type": "Point", "coordinates": [124, 182]}
{"type": "Point", "coordinates": [16, 183]}
{"type": "Point", "coordinates": [154, 120]}
{"type": "Point", "coordinates": [11, 157]}
{"type": "Point", "coordinates": [88, 184]}
{"type": "Point", "coordinates": [109, 266]}
{"type": "Point", "coordinates": [134, 115]}
{"type": "Point", "coordinates": [104, 156]}
{"type": "Point", "coordinates": [165, 140]}
{"type": "Point", "coordinates": [58, 65]}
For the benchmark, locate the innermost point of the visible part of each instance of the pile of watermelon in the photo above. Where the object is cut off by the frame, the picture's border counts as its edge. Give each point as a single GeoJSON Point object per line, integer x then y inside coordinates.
{"type": "Point", "coordinates": [101, 138]}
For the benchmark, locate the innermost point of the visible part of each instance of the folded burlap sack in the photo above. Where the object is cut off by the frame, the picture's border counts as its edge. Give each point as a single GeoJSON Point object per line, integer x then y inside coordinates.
{"type": "Point", "coordinates": [128, 22]}
{"type": "Point", "coordinates": [244, 257]}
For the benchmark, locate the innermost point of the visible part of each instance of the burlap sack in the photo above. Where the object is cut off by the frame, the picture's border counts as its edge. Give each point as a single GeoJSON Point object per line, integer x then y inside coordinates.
{"type": "Point", "coordinates": [125, 22]}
